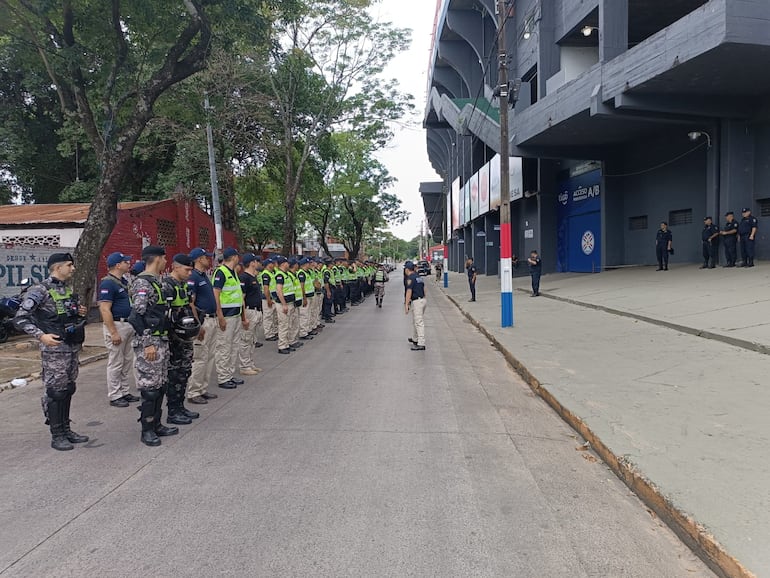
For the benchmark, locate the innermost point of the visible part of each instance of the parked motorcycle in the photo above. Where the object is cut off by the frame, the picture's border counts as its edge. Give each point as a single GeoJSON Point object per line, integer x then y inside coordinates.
{"type": "Point", "coordinates": [8, 308]}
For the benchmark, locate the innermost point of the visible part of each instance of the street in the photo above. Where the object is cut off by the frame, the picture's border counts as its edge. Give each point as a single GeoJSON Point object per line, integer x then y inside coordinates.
{"type": "Point", "coordinates": [352, 457]}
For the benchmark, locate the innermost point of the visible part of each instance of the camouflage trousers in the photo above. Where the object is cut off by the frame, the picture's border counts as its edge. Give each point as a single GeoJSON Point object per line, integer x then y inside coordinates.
{"type": "Point", "coordinates": [60, 366]}
{"type": "Point", "coordinates": [151, 374]}
{"type": "Point", "coordinates": [179, 364]}
{"type": "Point", "coordinates": [379, 290]}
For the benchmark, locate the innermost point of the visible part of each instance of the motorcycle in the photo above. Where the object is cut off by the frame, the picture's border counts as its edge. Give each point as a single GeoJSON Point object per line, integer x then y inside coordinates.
{"type": "Point", "coordinates": [8, 308]}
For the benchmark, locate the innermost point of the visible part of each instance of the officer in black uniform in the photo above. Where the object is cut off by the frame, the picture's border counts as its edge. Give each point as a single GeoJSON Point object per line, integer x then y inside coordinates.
{"type": "Point", "coordinates": [710, 242]}
{"type": "Point", "coordinates": [747, 231]}
{"type": "Point", "coordinates": [663, 241]}
{"type": "Point", "coordinates": [730, 235]}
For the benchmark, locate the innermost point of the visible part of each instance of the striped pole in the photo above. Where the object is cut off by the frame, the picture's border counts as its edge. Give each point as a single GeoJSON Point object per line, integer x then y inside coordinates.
{"type": "Point", "coordinates": [506, 275]}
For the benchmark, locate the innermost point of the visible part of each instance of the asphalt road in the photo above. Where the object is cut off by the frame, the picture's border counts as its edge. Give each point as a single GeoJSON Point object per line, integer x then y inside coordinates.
{"type": "Point", "coordinates": [352, 457]}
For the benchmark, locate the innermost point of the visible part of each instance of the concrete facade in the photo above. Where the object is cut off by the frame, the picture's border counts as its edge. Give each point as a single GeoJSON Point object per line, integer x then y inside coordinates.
{"type": "Point", "coordinates": [621, 83]}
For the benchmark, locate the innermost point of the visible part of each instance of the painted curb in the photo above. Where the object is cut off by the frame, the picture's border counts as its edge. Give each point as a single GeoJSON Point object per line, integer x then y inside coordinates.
{"type": "Point", "coordinates": [693, 534]}
{"type": "Point", "coordinates": [36, 374]}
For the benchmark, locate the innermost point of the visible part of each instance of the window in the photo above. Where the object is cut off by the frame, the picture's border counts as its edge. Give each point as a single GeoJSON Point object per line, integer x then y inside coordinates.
{"type": "Point", "coordinates": [204, 239]}
{"type": "Point", "coordinates": [531, 77]}
{"type": "Point", "coordinates": [166, 233]}
{"type": "Point", "coordinates": [22, 240]}
{"type": "Point", "coordinates": [679, 217]}
{"type": "Point", "coordinates": [764, 207]}
{"type": "Point", "coordinates": [637, 223]}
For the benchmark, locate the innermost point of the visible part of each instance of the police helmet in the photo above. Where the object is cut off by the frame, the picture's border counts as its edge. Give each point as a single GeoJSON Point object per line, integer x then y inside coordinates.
{"type": "Point", "coordinates": [186, 327]}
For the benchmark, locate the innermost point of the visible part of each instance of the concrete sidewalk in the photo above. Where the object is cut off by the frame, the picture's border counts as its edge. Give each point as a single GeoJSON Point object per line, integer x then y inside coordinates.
{"type": "Point", "coordinates": [662, 372]}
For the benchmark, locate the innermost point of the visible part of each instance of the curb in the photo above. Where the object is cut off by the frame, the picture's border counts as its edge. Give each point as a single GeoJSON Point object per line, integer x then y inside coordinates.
{"type": "Point", "coordinates": [34, 375]}
{"type": "Point", "coordinates": [692, 533]}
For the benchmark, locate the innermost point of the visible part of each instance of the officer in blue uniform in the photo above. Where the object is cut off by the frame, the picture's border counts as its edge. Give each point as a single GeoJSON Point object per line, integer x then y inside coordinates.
{"type": "Point", "coordinates": [710, 242]}
{"type": "Point", "coordinates": [472, 274]}
{"type": "Point", "coordinates": [663, 241]}
{"type": "Point", "coordinates": [747, 231]}
{"type": "Point", "coordinates": [729, 234]}
{"type": "Point", "coordinates": [202, 297]}
{"type": "Point", "coordinates": [414, 301]}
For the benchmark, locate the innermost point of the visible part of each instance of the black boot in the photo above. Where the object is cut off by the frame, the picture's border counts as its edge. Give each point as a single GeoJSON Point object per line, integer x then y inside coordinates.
{"type": "Point", "coordinates": [73, 437]}
{"type": "Point", "coordinates": [189, 413]}
{"type": "Point", "coordinates": [161, 429]}
{"type": "Point", "coordinates": [59, 439]}
{"type": "Point", "coordinates": [174, 402]}
{"type": "Point", "coordinates": [147, 419]}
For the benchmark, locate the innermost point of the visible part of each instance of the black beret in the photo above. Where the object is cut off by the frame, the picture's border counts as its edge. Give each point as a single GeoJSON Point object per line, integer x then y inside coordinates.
{"type": "Point", "coordinates": [153, 251]}
{"type": "Point", "coordinates": [59, 258]}
{"type": "Point", "coordinates": [183, 259]}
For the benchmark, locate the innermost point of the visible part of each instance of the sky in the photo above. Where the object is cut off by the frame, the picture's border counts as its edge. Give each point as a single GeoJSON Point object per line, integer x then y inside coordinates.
{"type": "Point", "coordinates": [406, 158]}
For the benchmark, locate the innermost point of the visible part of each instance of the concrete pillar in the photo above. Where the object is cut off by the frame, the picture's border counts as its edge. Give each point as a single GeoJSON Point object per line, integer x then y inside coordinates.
{"type": "Point", "coordinates": [492, 223]}
{"type": "Point", "coordinates": [549, 60]}
{"type": "Point", "coordinates": [613, 28]}
{"type": "Point", "coordinates": [612, 218]}
{"type": "Point", "coordinates": [547, 219]}
{"type": "Point", "coordinates": [736, 166]}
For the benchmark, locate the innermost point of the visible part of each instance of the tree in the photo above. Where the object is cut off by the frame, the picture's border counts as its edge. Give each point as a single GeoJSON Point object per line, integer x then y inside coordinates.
{"type": "Point", "coordinates": [324, 74]}
{"type": "Point", "coordinates": [110, 63]}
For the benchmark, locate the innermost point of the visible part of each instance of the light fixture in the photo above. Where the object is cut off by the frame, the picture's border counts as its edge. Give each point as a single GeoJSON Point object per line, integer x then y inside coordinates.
{"type": "Point", "coordinates": [588, 30]}
{"type": "Point", "coordinates": [527, 34]}
{"type": "Point", "coordinates": [696, 134]}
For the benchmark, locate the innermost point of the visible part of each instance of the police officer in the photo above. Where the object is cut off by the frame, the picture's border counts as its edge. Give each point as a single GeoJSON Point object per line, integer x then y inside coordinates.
{"type": "Point", "coordinates": [415, 301]}
{"type": "Point", "coordinates": [471, 270]}
{"type": "Point", "coordinates": [149, 320]}
{"type": "Point", "coordinates": [730, 235]}
{"type": "Point", "coordinates": [299, 301]}
{"type": "Point", "coordinates": [183, 330]}
{"type": "Point", "coordinates": [252, 299]}
{"type": "Point", "coordinates": [269, 298]}
{"type": "Point", "coordinates": [52, 314]}
{"type": "Point", "coordinates": [284, 292]}
{"type": "Point", "coordinates": [710, 242]}
{"type": "Point", "coordinates": [115, 307]}
{"type": "Point", "coordinates": [380, 278]}
{"type": "Point", "coordinates": [328, 282]}
{"type": "Point", "coordinates": [306, 311]}
{"type": "Point", "coordinates": [230, 317]}
{"type": "Point", "coordinates": [663, 241]}
{"type": "Point", "coordinates": [535, 270]}
{"type": "Point", "coordinates": [747, 231]}
{"type": "Point", "coordinates": [202, 297]}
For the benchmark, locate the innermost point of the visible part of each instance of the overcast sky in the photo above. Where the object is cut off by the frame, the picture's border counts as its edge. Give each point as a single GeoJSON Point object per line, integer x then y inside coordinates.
{"type": "Point", "coordinates": [407, 157]}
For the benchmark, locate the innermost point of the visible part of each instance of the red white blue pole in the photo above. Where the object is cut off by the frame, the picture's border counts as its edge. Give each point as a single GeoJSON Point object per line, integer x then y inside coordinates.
{"type": "Point", "coordinates": [506, 269]}
{"type": "Point", "coordinates": [506, 276]}
{"type": "Point", "coordinates": [446, 266]}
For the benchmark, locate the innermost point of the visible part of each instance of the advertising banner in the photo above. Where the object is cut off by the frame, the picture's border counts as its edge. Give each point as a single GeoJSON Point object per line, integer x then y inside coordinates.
{"type": "Point", "coordinates": [484, 190]}
{"type": "Point", "coordinates": [467, 203]}
{"type": "Point", "coordinates": [578, 235]}
{"type": "Point", "coordinates": [456, 223]}
{"type": "Point", "coordinates": [494, 182]}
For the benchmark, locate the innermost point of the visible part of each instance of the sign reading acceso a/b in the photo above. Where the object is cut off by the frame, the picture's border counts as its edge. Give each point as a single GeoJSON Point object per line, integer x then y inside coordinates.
{"type": "Point", "coordinates": [18, 263]}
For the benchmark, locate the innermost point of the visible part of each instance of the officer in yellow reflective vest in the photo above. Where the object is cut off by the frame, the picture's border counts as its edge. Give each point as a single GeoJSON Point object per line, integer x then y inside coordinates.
{"type": "Point", "coordinates": [269, 299]}
{"type": "Point", "coordinates": [306, 311]}
{"type": "Point", "coordinates": [299, 301]}
{"type": "Point", "coordinates": [284, 292]}
{"type": "Point", "coordinates": [230, 317]}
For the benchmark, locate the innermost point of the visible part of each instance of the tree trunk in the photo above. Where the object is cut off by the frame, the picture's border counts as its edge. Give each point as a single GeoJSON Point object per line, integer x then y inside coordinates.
{"type": "Point", "coordinates": [100, 223]}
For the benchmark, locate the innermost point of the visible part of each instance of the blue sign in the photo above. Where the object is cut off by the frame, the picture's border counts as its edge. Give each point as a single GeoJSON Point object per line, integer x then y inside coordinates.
{"type": "Point", "coordinates": [579, 224]}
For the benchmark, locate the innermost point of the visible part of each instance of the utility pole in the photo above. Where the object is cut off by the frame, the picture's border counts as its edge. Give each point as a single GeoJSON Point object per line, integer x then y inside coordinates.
{"type": "Point", "coordinates": [506, 269]}
{"type": "Point", "coordinates": [216, 206]}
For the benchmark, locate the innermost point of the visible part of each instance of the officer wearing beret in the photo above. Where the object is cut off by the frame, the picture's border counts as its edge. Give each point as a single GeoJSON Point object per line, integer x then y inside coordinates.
{"type": "Point", "coordinates": [710, 242]}
{"type": "Point", "coordinates": [52, 314]}
{"type": "Point", "coordinates": [729, 233]}
{"type": "Point", "coordinates": [747, 231]}
{"type": "Point", "coordinates": [184, 327]}
{"type": "Point", "coordinates": [148, 318]}
{"type": "Point", "coordinates": [115, 307]}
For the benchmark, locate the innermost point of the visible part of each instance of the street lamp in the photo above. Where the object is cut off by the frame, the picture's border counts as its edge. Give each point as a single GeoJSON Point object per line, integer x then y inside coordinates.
{"type": "Point", "coordinates": [696, 134]}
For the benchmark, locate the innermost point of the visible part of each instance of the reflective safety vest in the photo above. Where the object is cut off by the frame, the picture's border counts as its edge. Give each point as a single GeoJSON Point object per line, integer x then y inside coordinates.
{"type": "Point", "coordinates": [309, 287]}
{"type": "Point", "coordinates": [232, 293]}
{"type": "Point", "coordinates": [271, 276]}
{"type": "Point", "coordinates": [379, 276]}
{"type": "Point", "coordinates": [290, 284]}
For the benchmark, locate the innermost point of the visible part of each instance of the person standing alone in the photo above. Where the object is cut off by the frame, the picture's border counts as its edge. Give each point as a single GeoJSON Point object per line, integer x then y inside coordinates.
{"type": "Point", "coordinates": [535, 269]}
{"type": "Point", "coordinates": [414, 300]}
{"type": "Point", "coordinates": [471, 268]}
{"type": "Point", "coordinates": [663, 247]}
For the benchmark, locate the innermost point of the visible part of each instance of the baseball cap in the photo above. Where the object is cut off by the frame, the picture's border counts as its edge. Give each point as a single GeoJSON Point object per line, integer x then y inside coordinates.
{"type": "Point", "coordinates": [304, 261]}
{"type": "Point", "coordinates": [116, 258]}
{"type": "Point", "coordinates": [293, 262]}
{"type": "Point", "coordinates": [706, 218]}
{"type": "Point", "coordinates": [280, 259]}
{"type": "Point", "coordinates": [249, 258]}
{"type": "Point", "coordinates": [183, 259]}
{"type": "Point", "coordinates": [153, 251]}
{"type": "Point", "coordinates": [729, 213]}
{"type": "Point", "coordinates": [744, 209]}
{"type": "Point", "coordinates": [198, 252]}
{"type": "Point", "coordinates": [59, 258]}
{"type": "Point", "coordinates": [137, 268]}
{"type": "Point", "coordinates": [230, 252]}
{"type": "Point", "coordinates": [409, 265]}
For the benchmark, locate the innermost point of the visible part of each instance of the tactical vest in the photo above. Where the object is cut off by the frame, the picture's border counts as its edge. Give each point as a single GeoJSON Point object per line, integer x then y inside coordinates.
{"type": "Point", "coordinates": [65, 322]}
{"type": "Point", "coordinates": [155, 318]}
{"type": "Point", "coordinates": [379, 277]}
{"type": "Point", "coordinates": [231, 296]}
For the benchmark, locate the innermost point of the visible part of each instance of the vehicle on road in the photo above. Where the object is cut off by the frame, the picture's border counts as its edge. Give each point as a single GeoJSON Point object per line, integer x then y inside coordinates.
{"type": "Point", "coordinates": [423, 268]}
